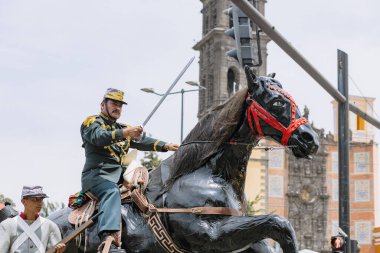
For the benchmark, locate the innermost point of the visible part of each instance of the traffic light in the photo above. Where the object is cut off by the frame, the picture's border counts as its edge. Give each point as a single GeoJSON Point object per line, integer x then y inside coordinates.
{"type": "Point", "coordinates": [240, 30]}
{"type": "Point", "coordinates": [354, 246]}
{"type": "Point", "coordinates": [338, 244]}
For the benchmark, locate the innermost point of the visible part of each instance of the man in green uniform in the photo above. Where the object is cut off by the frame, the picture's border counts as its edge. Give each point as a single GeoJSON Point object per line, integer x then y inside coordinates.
{"type": "Point", "coordinates": [106, 143]}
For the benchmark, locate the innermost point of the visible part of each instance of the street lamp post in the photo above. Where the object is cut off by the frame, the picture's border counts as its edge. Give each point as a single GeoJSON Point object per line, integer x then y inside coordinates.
{"type": "Point", "coordinates": [182, 92]}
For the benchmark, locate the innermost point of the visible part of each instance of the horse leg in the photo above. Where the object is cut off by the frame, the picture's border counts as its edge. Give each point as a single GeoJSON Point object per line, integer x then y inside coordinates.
{"type": "Point", "coordinates": [245, 230]}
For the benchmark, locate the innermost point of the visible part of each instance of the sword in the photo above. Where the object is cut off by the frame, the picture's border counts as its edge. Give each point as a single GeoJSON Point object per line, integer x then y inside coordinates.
{"type": "Point", "coordinates": [168, 91]}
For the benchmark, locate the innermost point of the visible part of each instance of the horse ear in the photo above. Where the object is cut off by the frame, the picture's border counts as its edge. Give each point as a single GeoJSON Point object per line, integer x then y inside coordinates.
{"type": "Point", "coordinates": [251, 78]}
{"type": "Point", "coordinates": [272, 75]}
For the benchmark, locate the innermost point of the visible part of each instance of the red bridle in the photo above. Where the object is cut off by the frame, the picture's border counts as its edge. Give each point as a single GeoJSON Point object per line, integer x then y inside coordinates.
{"type": "Point", "coordinates": [256, 111]}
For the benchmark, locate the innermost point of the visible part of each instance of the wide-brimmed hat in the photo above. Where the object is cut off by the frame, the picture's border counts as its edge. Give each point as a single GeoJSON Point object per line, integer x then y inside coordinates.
{"type": "Point", "coordinates": [115, 94]}
{"type": "Point", "coordinates": [33, 191]}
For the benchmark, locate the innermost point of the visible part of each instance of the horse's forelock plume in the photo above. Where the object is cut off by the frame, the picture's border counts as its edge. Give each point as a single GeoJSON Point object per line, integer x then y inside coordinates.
{"type": "Point", "coordinates": [217, 126]}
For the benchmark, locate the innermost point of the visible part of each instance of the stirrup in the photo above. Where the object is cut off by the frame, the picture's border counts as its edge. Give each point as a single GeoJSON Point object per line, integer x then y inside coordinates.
{"type": "Point", "coordinates": [107, 246]}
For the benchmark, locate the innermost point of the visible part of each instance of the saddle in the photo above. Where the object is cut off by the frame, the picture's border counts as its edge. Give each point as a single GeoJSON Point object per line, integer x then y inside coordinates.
{"type": "Point", "coordinates": [139, 181]}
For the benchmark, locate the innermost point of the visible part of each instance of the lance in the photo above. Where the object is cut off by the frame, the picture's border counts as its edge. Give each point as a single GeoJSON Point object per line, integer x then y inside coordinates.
{"type": "Point", "coordinates": [168, 91]}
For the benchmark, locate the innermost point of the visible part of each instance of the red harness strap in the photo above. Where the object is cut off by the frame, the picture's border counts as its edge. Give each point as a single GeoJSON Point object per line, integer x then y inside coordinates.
{"type": "Point", "coordinates": [257, 111]}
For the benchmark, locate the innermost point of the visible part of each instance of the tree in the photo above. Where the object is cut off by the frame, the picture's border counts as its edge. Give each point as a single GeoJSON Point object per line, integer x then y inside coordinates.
{"type": "Point", "coordinates": [4, 199]}
{"type": "Point", "coordinates": [150, 160]}
{"type": "Point", "coordinates": [50, 207]}
{"type": "Point", "coordinates": [251, 209]}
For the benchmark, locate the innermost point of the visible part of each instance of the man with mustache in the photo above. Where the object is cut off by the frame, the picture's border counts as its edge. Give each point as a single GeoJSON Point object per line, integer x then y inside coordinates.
{"type": "Point", "coordinates": [106, 143]}
{"type": "Point", "coordinates": [28, 232]}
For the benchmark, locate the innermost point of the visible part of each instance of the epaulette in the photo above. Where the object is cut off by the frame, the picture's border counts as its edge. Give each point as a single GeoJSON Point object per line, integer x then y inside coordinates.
{"type": "Point", "coordinates": [89, 120]}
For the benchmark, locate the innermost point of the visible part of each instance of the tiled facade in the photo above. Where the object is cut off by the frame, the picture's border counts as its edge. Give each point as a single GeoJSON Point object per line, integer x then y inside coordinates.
{"type": "Point", "coordinates": [362, 192]}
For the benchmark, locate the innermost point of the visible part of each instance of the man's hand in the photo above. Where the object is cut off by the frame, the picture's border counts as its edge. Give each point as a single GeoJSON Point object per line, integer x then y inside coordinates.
{"type": "Point", "coordinates": [133, 132]}
{"type": "Point", "coordinates": [60, 248]}
{"type": "Point", "coordinates": [171, 147]}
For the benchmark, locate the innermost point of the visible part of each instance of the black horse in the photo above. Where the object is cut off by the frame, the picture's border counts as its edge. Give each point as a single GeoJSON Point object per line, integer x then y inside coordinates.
{"type": "Point", "coordinates": [7, 211]}
{"type": "Point", "coordinates": [209, 170]}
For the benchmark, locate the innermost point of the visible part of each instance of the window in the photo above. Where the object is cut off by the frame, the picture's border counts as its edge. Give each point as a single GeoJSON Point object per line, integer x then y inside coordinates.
{"type": "Point", "coordinates": [232, 85]}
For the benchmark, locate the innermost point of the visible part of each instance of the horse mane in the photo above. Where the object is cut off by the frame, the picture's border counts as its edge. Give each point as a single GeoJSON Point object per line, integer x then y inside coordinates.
{"type": "Point", "coordinates": [216, 127]}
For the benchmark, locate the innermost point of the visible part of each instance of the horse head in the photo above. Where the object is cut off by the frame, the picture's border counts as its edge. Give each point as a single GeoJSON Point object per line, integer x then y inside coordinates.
{"type": "Point", "coordinates": [273, 113]}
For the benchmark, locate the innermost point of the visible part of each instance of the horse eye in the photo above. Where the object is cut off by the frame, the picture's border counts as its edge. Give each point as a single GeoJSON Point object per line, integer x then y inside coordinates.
{"type": "Point", "coordinates": [278, 104]}
{"type": "Point", "coordinates": [278, 107]}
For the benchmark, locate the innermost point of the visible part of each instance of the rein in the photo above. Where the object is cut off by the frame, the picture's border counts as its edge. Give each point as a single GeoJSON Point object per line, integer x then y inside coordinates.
{"type": "Point", "coordinates": [258, 146]}
{"type": "Point", "coordinates": [256, 111]}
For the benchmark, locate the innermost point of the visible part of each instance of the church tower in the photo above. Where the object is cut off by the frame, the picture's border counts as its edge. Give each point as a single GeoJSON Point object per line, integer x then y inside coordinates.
{"type": "Point", "coordinates": [221, 75]}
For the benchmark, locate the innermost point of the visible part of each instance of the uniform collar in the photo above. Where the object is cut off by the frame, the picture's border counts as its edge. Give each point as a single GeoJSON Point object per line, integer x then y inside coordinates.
{"type": "Point", "coordinates": [23, 216]}
{"type": "Point", "coordinates": [107, 118]}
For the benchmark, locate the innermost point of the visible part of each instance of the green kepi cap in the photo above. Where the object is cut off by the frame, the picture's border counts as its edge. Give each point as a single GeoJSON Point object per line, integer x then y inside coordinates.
{"type": "Point", "coordinates": [115, 94]}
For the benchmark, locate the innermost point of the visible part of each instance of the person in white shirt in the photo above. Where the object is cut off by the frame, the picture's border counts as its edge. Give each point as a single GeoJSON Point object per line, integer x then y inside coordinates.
{"type": "Point", "coordinates": [28, 232]}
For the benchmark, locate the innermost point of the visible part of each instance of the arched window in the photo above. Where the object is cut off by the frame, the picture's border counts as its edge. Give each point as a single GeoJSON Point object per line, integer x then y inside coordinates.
{"type": "Point", "coordinates": [232, 85]}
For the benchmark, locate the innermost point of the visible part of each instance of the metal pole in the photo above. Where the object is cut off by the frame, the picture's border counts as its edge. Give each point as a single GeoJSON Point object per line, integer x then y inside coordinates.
{"type": "Point", "coordinates": [344, 148]}
{"type": "Point", "coordinates": [182, 92]}
{"type": "Point", "coordinates": [270, 30]}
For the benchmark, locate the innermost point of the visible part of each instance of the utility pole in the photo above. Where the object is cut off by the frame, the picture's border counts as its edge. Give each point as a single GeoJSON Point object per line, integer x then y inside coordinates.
{"type": "Point", "coordinates": [344, 148]}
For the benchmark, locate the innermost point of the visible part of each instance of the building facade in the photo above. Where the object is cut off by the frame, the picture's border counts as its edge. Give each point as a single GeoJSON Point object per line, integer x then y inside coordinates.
{"type": "Point", "coordinates": [364, 190]}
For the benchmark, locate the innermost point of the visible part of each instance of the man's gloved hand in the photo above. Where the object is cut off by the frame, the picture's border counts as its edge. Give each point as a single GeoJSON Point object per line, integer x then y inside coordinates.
{"type": "Point", "coordinates": [133, 132]}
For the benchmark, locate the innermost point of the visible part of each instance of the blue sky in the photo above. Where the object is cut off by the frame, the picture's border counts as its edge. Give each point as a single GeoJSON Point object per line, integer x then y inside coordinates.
{"type": "Point", "coordinates": [58, 57]}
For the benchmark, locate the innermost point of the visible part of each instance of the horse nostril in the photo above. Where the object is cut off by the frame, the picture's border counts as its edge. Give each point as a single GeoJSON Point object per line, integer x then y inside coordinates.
{"type": "Point", "coordinates": [307, 137]}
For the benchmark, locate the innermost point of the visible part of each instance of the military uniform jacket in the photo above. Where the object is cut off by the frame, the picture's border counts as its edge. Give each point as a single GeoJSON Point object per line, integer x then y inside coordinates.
{"type": "Point", "coordinates": [48, 233]}
{"type": "Point", "coordinates": [105, 149]}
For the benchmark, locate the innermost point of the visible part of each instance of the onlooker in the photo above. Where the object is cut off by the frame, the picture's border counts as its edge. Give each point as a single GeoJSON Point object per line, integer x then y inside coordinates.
{"type": "Point", "coordinates": [28, 232]}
